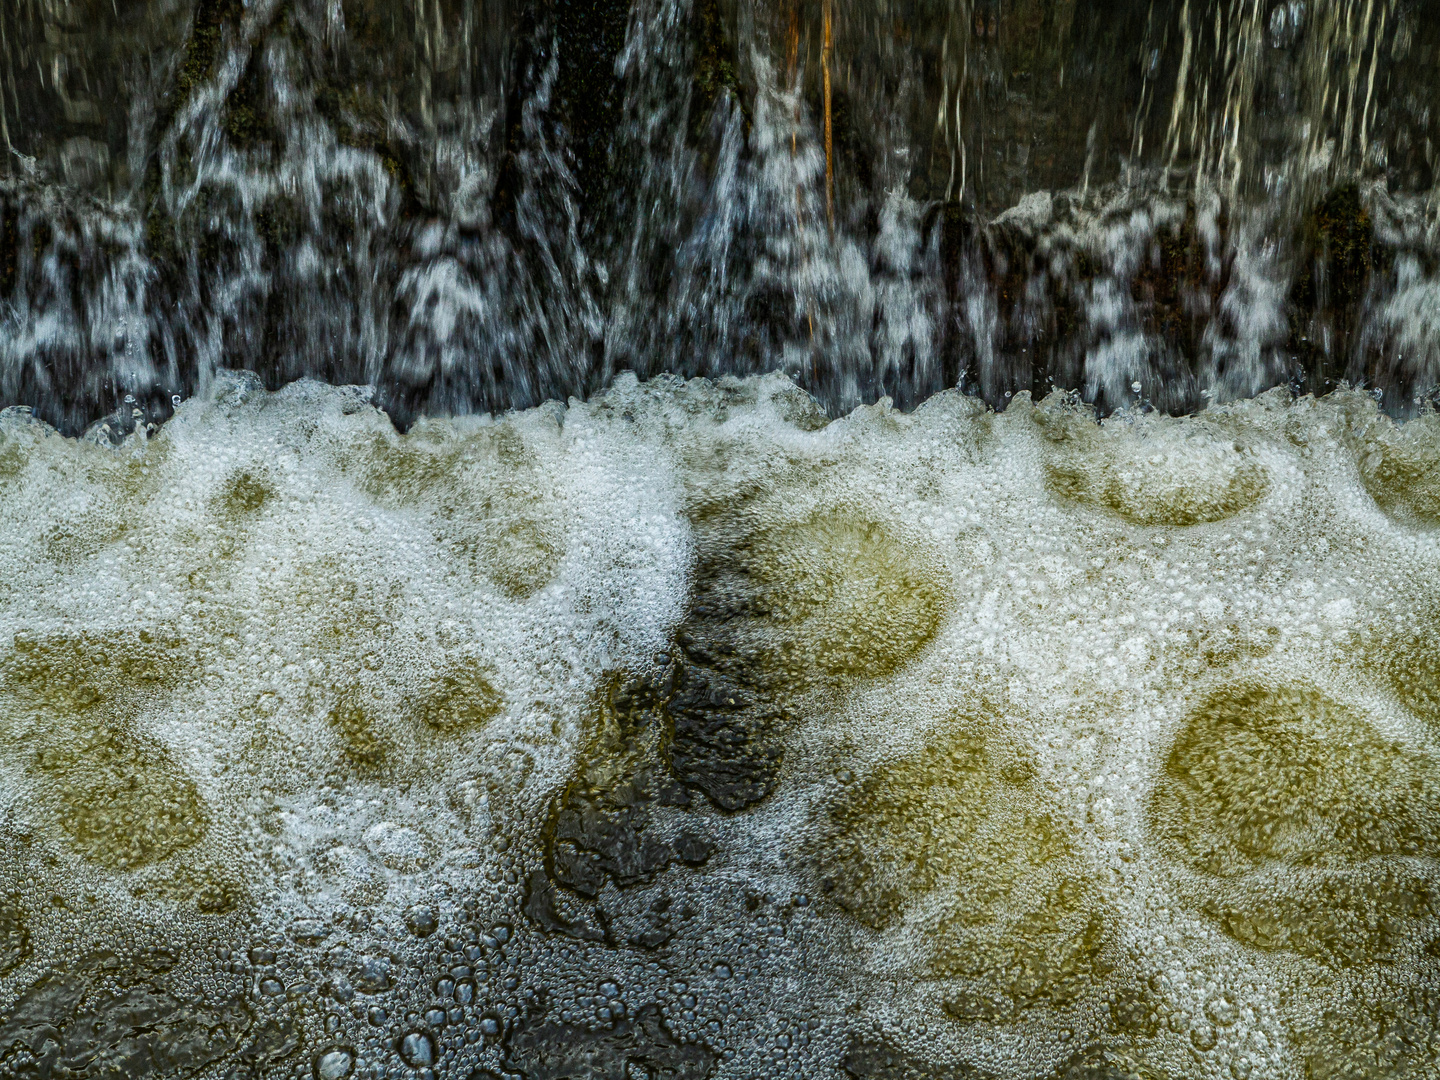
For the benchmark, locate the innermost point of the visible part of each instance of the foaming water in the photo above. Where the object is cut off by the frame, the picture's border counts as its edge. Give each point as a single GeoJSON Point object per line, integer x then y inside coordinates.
{"type": "Point", "coordinates": [686, 732]}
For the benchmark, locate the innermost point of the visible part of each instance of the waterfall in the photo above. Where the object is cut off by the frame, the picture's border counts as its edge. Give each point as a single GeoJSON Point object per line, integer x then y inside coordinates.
{"type": "Point", "coordinates": [475, 207]}
{"type": "Point", "coordinates": [686, 539]}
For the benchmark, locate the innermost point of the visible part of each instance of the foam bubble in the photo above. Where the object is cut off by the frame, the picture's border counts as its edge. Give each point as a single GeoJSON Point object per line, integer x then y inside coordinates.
{"type": "Point", "coordinates": [685, 728]}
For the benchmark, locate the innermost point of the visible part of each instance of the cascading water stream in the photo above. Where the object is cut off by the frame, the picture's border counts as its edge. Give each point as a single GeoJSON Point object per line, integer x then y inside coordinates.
{"type": "Point", "coordinates": [671, 539]}
{"type": "Point", "coordinates": [481, 206]}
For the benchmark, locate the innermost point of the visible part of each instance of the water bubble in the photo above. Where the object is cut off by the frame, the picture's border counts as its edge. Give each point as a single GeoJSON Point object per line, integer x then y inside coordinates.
{"type": "Point", "coordinates": [421, 921]}
{"type": "Point", "coordinates": [335, 1064]}
{"type": "Point", "coordinates": [308, 932]}
{"type": "Point", "coordinates": [417, 1049]}
{"type": "Point", "coordinates": [1223, 1009]}
{"type": "Point", "coordinates": [373, 975]}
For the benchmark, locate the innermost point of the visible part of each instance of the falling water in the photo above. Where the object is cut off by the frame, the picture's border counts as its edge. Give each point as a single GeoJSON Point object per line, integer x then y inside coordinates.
{"type": "Point", "coordinates": [638, 539]}
{"type": "Point", "coordinates": [482, 206]}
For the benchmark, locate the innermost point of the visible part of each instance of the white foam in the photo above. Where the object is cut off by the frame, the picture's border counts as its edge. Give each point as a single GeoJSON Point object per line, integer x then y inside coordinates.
{"type": "Point", "coordinates": [320, 578]}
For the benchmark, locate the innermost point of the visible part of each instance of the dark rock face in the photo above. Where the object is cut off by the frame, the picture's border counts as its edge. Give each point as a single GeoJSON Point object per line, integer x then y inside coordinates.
{"type": "Point", "coordinates": [602, 829]}
{"type": "Point", "coordinates": [551, 1051]}
{"type": "Point", "coordinates": [721, 742]}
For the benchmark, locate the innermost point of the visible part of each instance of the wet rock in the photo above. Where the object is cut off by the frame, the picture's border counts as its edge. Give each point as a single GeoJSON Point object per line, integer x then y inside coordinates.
{"type": "Point", "coordinates": [274, 1041]}
{"type": "Point", "coordinates": [541, 906]}
{"type": "Point", "coordinates": [600, 826]}
{"type": "Point", "coordinates": [1338, 254]}
{"type": "Point", "coordinates": [592, 843]}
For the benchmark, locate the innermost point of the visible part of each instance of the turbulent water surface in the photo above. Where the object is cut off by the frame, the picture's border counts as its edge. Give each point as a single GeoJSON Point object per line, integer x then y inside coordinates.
{"type": "Point", "coordinates": [686, 733]}
{"type": "Point", "coordinates": [974, 619]}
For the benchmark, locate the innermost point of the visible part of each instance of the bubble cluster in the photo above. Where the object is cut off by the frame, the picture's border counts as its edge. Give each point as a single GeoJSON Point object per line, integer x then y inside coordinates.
{"type": "Point", "coordinates": [1204, 475]}
{"type": "Point", "coordinates": [682, 733]}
